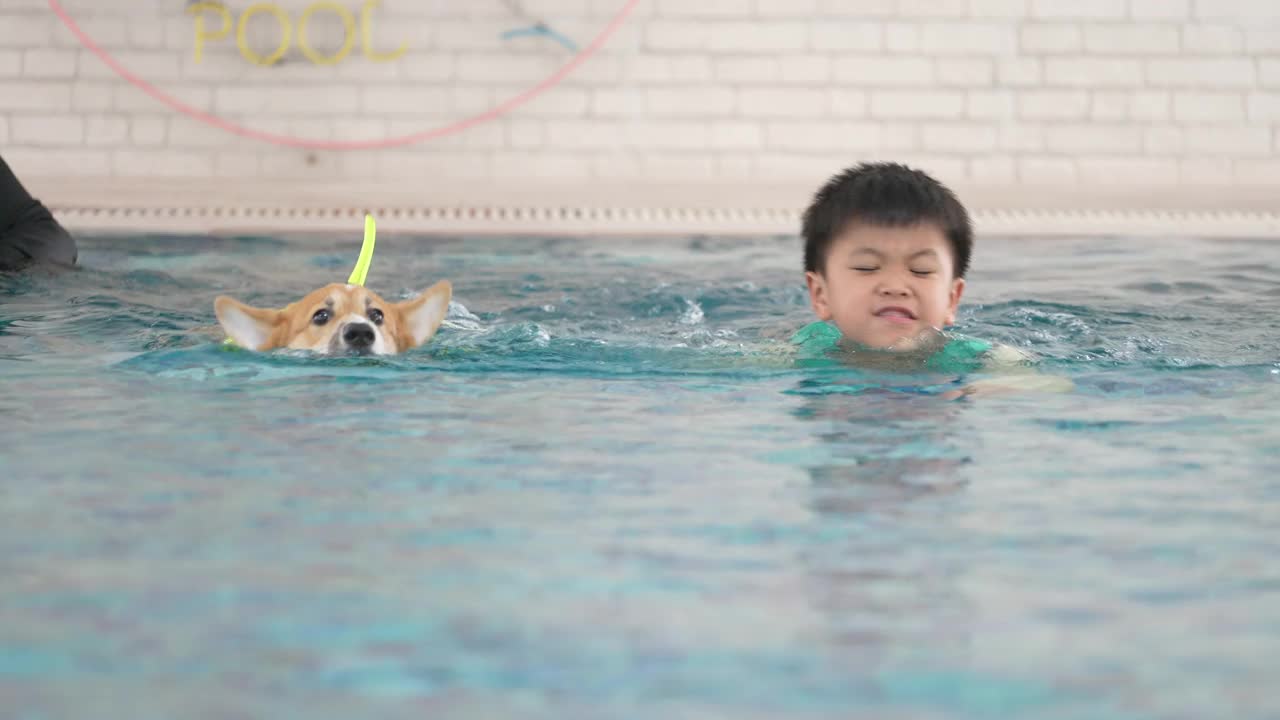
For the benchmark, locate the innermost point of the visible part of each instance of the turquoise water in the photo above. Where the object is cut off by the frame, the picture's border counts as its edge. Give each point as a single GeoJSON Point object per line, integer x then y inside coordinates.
{"type": "Point", "coordinates": [604, 491]}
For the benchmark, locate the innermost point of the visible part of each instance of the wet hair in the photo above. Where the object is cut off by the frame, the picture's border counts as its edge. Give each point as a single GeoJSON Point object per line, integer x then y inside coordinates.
{"type": "Point", "coordinates": [884, 195]}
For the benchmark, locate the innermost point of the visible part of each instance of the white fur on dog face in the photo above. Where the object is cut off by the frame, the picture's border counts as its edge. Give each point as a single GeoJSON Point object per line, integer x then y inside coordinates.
{"type": "Point", "coordinates": [332, 342]}
{"type": "Point", "coordinates": [380, 345]}
{"type": "Point", "coordinates": [340, 306]}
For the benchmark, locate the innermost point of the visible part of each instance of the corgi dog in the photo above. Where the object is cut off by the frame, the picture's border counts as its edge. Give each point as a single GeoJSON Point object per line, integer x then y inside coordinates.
{"type": "Point", "coordinates": [338, 319]}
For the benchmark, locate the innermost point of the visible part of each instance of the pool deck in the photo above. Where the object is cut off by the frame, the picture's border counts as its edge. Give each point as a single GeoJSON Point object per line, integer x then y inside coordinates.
{"type": "Point", "coordinates": [606, 209]}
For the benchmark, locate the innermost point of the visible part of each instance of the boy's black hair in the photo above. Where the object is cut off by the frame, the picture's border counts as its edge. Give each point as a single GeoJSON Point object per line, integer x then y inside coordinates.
{"type": "Point", "coordinates": [888, 195]}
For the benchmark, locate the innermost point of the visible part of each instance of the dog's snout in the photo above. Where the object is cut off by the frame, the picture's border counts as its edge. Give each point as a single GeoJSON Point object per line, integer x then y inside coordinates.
{"type": "Point", "coordinates": [358, 335]}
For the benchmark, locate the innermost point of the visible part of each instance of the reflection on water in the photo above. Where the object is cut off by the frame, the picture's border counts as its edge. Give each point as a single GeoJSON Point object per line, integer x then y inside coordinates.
{"type": "Point", "coordinates": [608, 489]}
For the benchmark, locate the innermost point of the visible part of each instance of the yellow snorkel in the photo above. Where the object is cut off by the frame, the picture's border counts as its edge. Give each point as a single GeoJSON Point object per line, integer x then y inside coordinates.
{"type": "Point", "coordinates": [361, 271]}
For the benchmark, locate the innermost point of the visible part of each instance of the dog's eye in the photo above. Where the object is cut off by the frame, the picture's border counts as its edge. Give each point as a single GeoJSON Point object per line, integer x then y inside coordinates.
{"type": "Point", "coordinates": [376, 316]}
{"type": "Point", "coordinates": [321, 317]}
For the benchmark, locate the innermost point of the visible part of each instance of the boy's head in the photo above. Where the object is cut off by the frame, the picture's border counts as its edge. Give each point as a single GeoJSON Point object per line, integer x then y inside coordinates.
{"type": "Point", "coordinates": [886, 249]}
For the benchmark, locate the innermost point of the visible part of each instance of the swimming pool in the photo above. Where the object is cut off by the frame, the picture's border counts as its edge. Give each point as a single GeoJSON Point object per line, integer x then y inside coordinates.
{"type": "Point", "coordinates": [602, 491]}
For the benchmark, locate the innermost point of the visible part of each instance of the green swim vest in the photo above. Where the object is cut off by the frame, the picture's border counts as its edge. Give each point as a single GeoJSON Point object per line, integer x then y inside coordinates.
{"type": "Point", "coordinates": [960, 354]}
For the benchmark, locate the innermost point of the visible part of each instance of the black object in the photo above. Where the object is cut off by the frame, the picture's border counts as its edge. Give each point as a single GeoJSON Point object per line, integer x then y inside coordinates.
{"type": "Point", "coordinates": [28, 233]}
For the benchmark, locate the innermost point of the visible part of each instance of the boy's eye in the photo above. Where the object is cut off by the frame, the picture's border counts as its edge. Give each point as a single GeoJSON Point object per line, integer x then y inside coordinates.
{"type": "Point", "coordinates": [923, 273]}
{"type": "Point", "coordinates": [866, 269]}
{"type": "Point", "coordinates": [376, 316]}
{"type": "Point", "coordinates": [321, 317]}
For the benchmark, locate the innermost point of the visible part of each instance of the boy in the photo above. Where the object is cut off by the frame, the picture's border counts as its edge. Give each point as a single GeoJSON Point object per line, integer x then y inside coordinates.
{"type": "Point", "coordinates": [886, 251]}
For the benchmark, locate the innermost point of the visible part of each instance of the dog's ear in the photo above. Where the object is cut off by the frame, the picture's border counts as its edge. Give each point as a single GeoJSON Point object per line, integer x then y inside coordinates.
{"type": "Point", "coordinates": [421, 316]}
{"type": "Point", "coordinates": [249, 326]}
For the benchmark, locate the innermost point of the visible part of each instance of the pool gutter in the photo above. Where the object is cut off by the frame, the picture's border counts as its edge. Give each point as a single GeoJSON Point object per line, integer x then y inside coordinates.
{"type": "Point", "coordinates": [230, 206]}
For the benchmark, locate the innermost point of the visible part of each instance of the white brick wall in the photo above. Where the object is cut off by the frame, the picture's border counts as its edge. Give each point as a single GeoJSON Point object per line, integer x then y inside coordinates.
{"type": "Point", "coordinates": [1080, 92]}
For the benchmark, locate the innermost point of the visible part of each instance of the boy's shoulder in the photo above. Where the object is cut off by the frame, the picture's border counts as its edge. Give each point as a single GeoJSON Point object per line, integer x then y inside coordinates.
{"type": "Point", "coordinates": [1014, 369]}
{"type": "Point", "coordinates": [816, 331]}
{"type": "Point", "coordinates": [1004, 356]}
{"type": "Point", "coordinates": [956, 352]}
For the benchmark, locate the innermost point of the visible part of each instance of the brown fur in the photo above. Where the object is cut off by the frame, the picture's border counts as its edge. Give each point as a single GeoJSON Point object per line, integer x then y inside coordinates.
{"type": "Point", "coordinates": [405, 325]}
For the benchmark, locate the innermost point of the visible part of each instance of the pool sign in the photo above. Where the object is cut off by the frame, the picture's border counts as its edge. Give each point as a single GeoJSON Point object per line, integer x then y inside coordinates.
{"type": "Point", "coordinates": [363, 30]}
{"type": "Point", "coordinates": [235, 102]}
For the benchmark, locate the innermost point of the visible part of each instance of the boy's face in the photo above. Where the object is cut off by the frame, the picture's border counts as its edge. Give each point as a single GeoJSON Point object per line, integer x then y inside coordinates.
{"type": "Point", "coordinates": [887, 287]}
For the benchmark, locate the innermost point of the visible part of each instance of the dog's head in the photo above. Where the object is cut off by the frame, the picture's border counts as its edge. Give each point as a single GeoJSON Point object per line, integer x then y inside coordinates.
{"type": "Point", "coordinates": [338, 319]}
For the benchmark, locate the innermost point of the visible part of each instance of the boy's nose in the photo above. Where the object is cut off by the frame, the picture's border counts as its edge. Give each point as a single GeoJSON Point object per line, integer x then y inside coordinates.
{"type": "Point", "coordinates": [893, 290]}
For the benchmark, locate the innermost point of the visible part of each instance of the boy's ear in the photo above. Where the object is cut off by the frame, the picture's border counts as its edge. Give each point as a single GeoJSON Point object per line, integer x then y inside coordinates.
{"type": "Point", "coordinates": [818, 294]}
{"type": "Point", "coordinates": [421, 316]}
{"type": "Point", "coordinates": [953, 302]}
{"type": "Point", "coordinates": [248, 326]}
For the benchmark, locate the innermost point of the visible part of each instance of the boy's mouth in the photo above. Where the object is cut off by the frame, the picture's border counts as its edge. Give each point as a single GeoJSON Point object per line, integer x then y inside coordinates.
{"type": "Point", "coordinates": [896, 314]}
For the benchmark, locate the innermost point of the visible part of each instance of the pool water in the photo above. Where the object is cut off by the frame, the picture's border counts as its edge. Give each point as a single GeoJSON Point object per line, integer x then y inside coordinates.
{"type": "Point", "coordinates": [605, 489]}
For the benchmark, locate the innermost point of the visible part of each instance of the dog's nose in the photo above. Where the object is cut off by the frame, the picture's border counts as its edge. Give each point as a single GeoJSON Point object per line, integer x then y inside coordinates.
{"type": "Point", "coordinates": [358, 335]}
